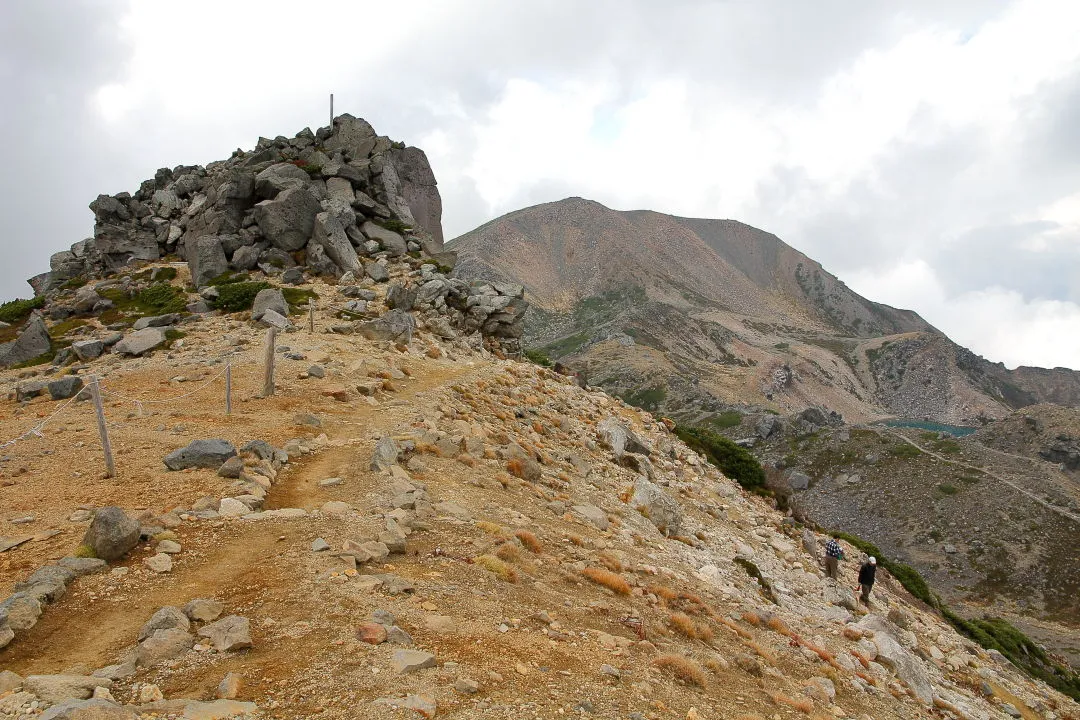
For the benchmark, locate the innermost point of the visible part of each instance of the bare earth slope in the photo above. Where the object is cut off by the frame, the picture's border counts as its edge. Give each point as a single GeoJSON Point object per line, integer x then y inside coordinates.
{"type": "Point", "coordinates": [691, 316]}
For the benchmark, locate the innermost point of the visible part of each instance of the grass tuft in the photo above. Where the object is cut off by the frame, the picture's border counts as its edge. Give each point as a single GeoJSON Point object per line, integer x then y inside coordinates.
{"type": "Point", "coordinates": [529, 540]}
{"type": "Point", "coordinates": [498, 567]}
{"type": "Point", "coordinates": [682, 668]}
{"type": "Point", "coordinates": [612, 581]}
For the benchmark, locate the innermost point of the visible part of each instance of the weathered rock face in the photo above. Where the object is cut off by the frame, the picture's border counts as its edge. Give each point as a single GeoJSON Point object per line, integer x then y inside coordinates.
{"type": "Point", "coordinates": [32, 342]}
{"type": "Point", "coordinates": [201, 453]}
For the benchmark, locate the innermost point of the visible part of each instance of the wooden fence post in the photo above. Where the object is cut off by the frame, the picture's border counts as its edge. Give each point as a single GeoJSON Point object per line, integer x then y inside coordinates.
{"type": "Point", "coordinates": [268, 371]}
{"type": "Point", "coordinates": [95, 395]}
{"type": "Point", "coordinates": [228, 388]}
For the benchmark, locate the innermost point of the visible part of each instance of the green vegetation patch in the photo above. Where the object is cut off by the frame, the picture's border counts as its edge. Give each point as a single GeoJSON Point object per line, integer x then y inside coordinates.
{"type": "Point", "coordinates": [726, 419]}
{"type": "Point", "coordinates": [735, 462]}
{"type": "Point", "coordinates": [298, 299]}
{"type": "Point", "coordinates": [237, 296]}
{"type": "Point", "coordinates": [647, 398]}
{"type": "Point", "coordinates": [15, 311]}
{"type": "Point", "coordinates": [393, 225]}
{"type": "Point", "coordinates": [905, 450]}
{"type": "Point", "coordinates": [753, 571]}
{"type": "Point", "coordinates": [947, 489]}
{"type": "Point", "coordinates": [566, 345]}
{"type": "Point", "coordinates": [538, 357]}
{"type": "Point", "coordinates": [63, 327]}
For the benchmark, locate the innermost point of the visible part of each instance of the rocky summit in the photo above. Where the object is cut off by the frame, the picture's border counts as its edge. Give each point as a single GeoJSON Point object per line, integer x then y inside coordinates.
{"type": "Point", "coordinates": [340, 493]}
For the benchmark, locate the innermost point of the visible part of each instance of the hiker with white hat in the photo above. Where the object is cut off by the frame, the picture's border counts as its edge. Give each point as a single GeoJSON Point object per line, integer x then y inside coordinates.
{"type": "Point", "coordinates": [866, 578]}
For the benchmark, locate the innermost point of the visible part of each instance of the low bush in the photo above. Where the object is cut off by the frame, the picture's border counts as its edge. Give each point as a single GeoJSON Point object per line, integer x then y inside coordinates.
{"type": "Point", "coordinates": [15, 311]}
{"type": "Point", "coordinates": [529, 540]}
{"type": "Point", "coordinates": [498, 567]}
{"type": "Point", "coordinates": [734, 461]}
{"type": "Point", "coordinates": [538, 357]}
{"type": "Point", "coordinates": [237, 297]}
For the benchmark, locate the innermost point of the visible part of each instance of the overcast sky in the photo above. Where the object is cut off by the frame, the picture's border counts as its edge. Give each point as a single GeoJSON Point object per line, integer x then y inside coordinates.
{"type": "Point", "coordinates": [928, 156]}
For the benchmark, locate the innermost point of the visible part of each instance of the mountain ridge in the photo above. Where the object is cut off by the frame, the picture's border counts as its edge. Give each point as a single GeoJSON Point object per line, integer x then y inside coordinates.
{"type": "Point", "coordinates": [759, 308]}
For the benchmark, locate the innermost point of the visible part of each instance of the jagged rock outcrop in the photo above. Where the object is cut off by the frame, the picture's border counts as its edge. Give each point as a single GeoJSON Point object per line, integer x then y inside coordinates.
{"type": "Point", "coordinates": [346, 189]}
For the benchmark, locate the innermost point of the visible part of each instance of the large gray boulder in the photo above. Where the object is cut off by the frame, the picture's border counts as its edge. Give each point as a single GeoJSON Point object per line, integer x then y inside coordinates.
{"type": "Point", "coordinates": [352, 135]}
{"type": "Point", "coordinates": [93, 709]}
{"type": "Point", "coordinates": [58, 688]}
{"type": "Point", "coordinates": [269, 299]}
{"type": "Point", "coordinates": [392, 242]}
{"type": "Point", "coordinates": [278, 178]}
{"type": "Point", "coordinates": [141, 341]}
{"type": "Point", "coordinates": [396, 325]}
{"type": "Point", "coordinates": [287, 221]}
{"type": "Point", "coordinates": [32, 342]}
{"type": "Point", "coordinates": [163, 644]}
{"type": "Point", "coordinates": [245, 258]}
{"type": "Point", "coordinates": [20, 611]}
{"type": "Point", "coordinates": [206, 259]}
{"type": "Point", "coordinates": [201, 453]}
{"type": "Point", "coordinates": [88, 349]}
{"type": "Point", "coordinates": [620, 438]}
{"type": "Point", "coordinates": [112, 533]}
{"type": "Point", "coordinates": [65, 387]}
{"type": "Point", "coordinates": [330, 234]}
{"type": "Point", "coordinates": [661, 509]}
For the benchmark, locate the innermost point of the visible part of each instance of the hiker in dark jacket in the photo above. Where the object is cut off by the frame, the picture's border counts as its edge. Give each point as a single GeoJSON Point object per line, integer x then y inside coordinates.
{"type": "Point", "coordinates": [833, 555]}
{"type": "Point", "coordinates": [866, 578]}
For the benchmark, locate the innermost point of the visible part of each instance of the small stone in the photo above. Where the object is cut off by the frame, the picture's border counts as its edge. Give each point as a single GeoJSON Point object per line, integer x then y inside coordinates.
{"type": "Point", "coordinates": [163, 645]}
{"type": "Point", "coordinates": [164, 619]}
{"type": "Point", "coordinates": [610, 670]}
{"type": "Point", "coordinates": [407, 661]}
{"type": "Point", "coordinates": [397, 636]}
{"type": "Point", "coordinates": [316, 371]}
{"type": "Point", "coordinates": [420, 703]}
{"type": "Point", "coordinates": [371, 633]}
{"type": "Point", "coordinates": [231, 507]}
{"type": "Point", "coordinates": [467, 686]}
{"type": "Point", "coordinates": [160, 563]}
{"type": "Point", "coordinates": [230, 686]}
{"type": "Point", "coordinates": [330, 482]}
{"type": "Point", "coordinates": [204, 609]}
{"type": "Point", "coordinates": [149, 693]}
{"type": "Point", "coordinates": [229, 633]}
{"type": "Point", "coordinates": [319, 545]}
{"type": "Point", "coordinates": [9, 681]}
{"type": "Point", "coordinates": [521, 668]}
{"type": "Point", "coordinates": [231, 468]}
{"type": "Point", "coordinates": [168, 546]}
{"type": "Point", "coordinates": [336, 507]}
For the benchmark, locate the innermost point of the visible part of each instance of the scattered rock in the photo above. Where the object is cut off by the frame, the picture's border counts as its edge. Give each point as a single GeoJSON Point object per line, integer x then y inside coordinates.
{"type": "Point", "coordinates": [164, 619]}
{"type": "Point", "coordinates": [385, 455]}
{"type": "Point", "coordinates": [230, 686]}
{"type": "Point", "coordinates": [204, 609]}
{"type": "Point", "coordinates": [93, 709]}
{"type": "Point", "coordinates": [58, 688]}
{"type": "Point", "coordinates": [66, 387]}
{"type": "Point", "coordinates": [371, 633]}
{"type": "Point", "coordinates": [141, 342]}
{"type": "Point", "coordinates": [229, 633]}
{"type": "Point", "coordinates": [407, 661]}
{"type": "Point", "coordinates": [201, 454]}
{"type": "Point", "coordinates": [160, 563]}
{"type": "Point", "coordinates": [112, 533]}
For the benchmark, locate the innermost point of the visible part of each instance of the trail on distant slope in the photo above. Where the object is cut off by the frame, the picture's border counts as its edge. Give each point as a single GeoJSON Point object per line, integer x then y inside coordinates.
{"type": "Point", "coordinates": [1032, 496]}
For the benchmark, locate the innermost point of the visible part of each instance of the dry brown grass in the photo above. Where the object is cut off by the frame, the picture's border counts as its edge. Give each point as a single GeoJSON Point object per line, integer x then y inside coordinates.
{"type": "Point", "coordinates": [685, 540]}
{"type": "Point", "coordinates": [682, 668]}
{"type": "Point", "coordinates": [777, 625]}
{"type": "Point", "coordinates": [824, 654]}
{"type": "Point", "coordinates": [467, 460]}
{"type": "Point", "coordinates": [489, 454]}
{"type": "Point", "coordinates": [515, 467]}
{"type": "Point", "coordinates": [530, 541]}
{"type": "Point", "coordinates": [760, 651]}
{"type": "Point", "coordinates": [609, 561]}
{"type": "Point", "coordinates": [752, 618]}
{"type": "Point", "coordinates": [612, 581]}
{"type": "Point", "coordinates": [498, 567]}
{"type": "Point", "coordinates": [683, 624]}
{"type": "Point", "coordinates": [489, 527]}
{"type": "Point", "coordinates": [509, 551]}
{"type": "Point", "coordinates": [863, 659]}
{"type": "Point", "coordinates": [804, 705]}
{"type": "Point", "coordinates": [666, 594]}
{"type": "Point", "coordinates": [734, 627]}
{"type": "Point", "coordinates": [576, 540]}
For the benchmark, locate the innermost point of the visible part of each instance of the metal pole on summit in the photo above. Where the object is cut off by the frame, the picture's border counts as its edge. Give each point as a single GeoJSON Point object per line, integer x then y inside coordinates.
{"type": "Point", "coordinates": [331, 112]}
